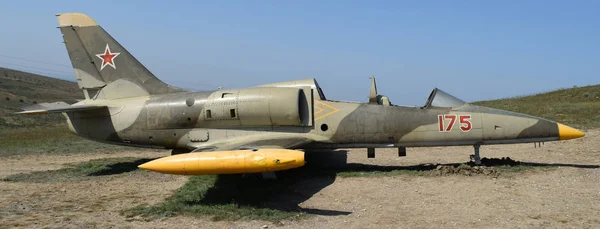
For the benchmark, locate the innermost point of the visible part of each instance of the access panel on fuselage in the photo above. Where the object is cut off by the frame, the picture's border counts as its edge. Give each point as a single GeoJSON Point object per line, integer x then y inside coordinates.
{"type": "Point", "coordinates": [175, 111]}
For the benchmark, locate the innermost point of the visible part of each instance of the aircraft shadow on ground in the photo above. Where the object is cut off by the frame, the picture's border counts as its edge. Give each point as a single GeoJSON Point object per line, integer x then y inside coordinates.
{"type": "Point", "coordinates": [298, 185]}
{"type": "Point", "coordinates": [581, 166]}
{"type": "Point", "coordinates": [121, 167]}
{"type": "Point", "coordinates": [286, 193]}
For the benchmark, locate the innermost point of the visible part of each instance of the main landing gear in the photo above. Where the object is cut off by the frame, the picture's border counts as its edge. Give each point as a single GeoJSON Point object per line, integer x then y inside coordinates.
{"type": "Point", "coordinates": [475, 157]}
{"type": "Point", "coordinates": [401, 152]}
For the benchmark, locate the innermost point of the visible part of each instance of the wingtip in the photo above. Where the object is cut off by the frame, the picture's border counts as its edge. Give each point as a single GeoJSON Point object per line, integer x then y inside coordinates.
{"type": "Point", "coordinates": [28, 112]}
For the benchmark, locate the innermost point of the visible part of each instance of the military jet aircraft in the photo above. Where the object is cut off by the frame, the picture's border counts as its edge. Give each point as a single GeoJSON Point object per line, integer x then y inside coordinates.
{"type": "Point", "coordinates": [264, 128]}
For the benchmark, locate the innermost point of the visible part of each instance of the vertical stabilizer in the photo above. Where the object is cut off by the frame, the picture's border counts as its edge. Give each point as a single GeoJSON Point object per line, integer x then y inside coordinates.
{"type": "Point", "coordinates": [104, 69]}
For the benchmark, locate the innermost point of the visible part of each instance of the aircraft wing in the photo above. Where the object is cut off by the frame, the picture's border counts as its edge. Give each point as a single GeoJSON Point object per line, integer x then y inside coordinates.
{"type": "Point", "coordinates": [266, 141]}
{"type": "Point", "coordinates": [56, 107]}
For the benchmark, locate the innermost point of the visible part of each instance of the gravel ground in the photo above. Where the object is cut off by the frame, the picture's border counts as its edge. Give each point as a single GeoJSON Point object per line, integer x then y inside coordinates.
{"type": "Point", "coordinates": [565, 196]}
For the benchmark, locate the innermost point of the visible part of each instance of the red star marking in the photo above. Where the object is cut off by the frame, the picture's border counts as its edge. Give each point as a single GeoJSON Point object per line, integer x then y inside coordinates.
{"type": "Point", "coordinates": [108, 58]}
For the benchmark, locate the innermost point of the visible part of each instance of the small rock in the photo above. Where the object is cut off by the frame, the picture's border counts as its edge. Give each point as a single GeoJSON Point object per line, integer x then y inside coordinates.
{"type": "Point", "coordinates": [265, 226]}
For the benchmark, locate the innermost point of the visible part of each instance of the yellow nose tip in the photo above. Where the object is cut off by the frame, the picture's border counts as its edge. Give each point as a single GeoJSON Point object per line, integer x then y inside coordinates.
{"type": "Point", "coordinates": [567, 132]}
{"type": "Point", "coordinates": [172, 164]}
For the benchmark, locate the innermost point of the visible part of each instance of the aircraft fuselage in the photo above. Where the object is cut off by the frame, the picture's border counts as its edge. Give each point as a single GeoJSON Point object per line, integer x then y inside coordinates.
{"type": "Point", "coordinates": [183, 120]}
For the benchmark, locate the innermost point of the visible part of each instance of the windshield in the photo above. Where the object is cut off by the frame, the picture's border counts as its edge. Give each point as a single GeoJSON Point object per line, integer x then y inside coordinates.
{"type": "Point", "coordinates": [439, 98]}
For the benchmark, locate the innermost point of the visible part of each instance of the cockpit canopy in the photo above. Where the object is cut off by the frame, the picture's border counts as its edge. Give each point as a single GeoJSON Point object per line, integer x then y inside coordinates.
{"type": "Point", "coordinates": [439, 98]}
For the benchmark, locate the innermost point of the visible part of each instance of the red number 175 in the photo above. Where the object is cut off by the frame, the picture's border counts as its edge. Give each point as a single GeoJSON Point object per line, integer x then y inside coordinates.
{"type": "Point", "coordinates": [464, 120]}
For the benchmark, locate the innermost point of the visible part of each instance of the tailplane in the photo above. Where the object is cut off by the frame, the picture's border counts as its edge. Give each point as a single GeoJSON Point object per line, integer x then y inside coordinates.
{"type": "Point", "coordinates": [57, 107]}
{"type": "Point", "coordinates": [104, 69]}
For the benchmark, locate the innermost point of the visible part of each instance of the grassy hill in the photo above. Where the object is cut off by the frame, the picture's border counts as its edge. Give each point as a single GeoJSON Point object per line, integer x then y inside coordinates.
{"type": "Point", "coordinates": [40, 134]}
{"type": "Point", "coordinates": [19, 89]}
{"type": "Point", "coordinates": [578, 106]}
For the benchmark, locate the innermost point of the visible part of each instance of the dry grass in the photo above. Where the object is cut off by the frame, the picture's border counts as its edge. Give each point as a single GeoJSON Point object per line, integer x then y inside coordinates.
{"type": "Point", "coordinates": [81, 171]}
{"type": "Point", "coordinates": [50, 140]}
{"type": "Point", "coordinates": [577, 106]}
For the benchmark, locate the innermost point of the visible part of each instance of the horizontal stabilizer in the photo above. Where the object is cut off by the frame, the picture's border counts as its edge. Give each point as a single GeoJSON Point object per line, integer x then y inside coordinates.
{"type": "Point", "coordinates": [56, 107]}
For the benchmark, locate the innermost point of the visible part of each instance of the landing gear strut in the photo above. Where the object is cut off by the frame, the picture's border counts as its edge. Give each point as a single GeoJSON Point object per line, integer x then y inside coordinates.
{"type": "Point", "coordinates": [370, 152]}
{"type": "Point", "coordinates": [475, 157]}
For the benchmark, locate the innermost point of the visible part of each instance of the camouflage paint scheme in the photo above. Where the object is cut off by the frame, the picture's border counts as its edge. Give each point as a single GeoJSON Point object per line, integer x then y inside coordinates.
{"type": "Point", "coordinates": [126, 104]}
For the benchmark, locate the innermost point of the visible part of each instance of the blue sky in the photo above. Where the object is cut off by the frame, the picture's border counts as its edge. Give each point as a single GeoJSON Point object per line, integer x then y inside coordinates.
{"type": "Point", "coordinates": [475, 50]}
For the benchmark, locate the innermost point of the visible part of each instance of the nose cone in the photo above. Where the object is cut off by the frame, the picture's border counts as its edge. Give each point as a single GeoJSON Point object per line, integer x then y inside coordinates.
{"type": "Point", "coordinates": [170, 165]}
{"type": "Point", "coordinates": [567, 132]}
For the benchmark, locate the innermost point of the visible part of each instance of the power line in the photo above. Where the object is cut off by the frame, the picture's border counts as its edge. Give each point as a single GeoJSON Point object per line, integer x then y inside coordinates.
{"type": "Point", "coordinates": [44, 69]}
{"type": "Point", "coordinates": [48, 75]}
{"type": "Point", "coordinates": [35, 61]}
{"type": "Point", "coordinates": [54, 75]}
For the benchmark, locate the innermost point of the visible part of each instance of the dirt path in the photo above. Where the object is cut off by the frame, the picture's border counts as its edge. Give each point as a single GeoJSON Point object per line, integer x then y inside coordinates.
{"type": "Point", "coordinates": [566, 196]}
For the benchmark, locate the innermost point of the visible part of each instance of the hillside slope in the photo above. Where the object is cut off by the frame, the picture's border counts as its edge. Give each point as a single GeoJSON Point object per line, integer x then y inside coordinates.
{"type": "Point", "coordinates": [45, 133]}
{"type": "Point", "coordinates": [577, 106]}
{"type": "Point", "coordinates": [19, 89]}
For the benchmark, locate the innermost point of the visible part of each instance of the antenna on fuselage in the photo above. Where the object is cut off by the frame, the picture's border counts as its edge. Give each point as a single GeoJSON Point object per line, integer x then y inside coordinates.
{"type": "Point", "coordinates": [373, 93]}
{"type": "Point", "coordinates": [375, 98]}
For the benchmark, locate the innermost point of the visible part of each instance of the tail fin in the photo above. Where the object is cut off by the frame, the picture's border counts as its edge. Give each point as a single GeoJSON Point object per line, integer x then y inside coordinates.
{"type": "Point", "coordinates": [103, 68]}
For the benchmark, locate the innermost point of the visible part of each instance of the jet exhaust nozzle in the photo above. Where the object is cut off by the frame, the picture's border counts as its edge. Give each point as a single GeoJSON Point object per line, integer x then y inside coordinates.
{"type": "Point", "coordinates": [227, 162]}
